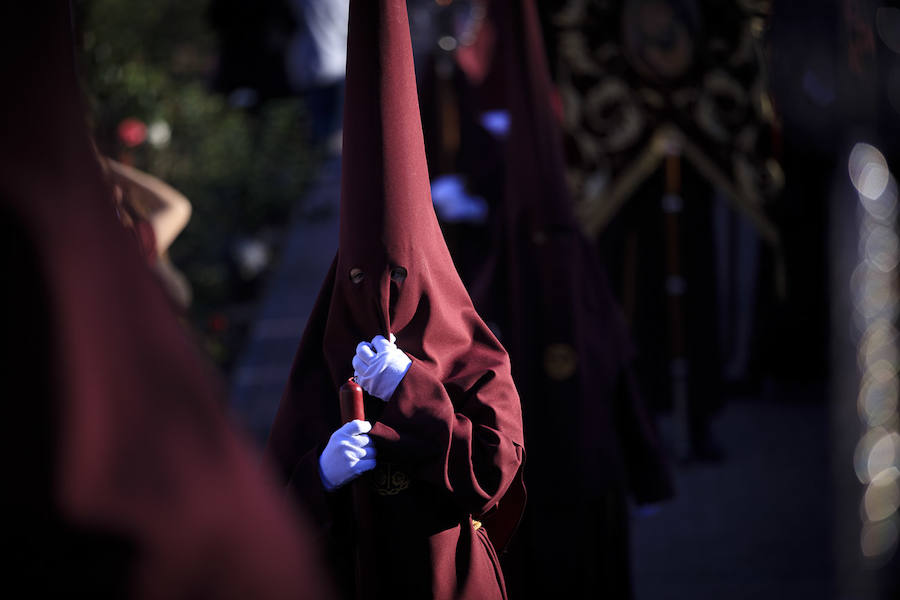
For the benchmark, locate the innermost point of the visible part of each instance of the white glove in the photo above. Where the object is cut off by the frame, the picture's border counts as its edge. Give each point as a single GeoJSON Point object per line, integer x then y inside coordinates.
{"type": "Point", "coordinates": [497, 122]}
{"type": "Point", "coordinates": [348, 454]}
{"type": "Point", "coordinates": [379, 366]}
{"type": "Point", "coordinates": [454, 204]}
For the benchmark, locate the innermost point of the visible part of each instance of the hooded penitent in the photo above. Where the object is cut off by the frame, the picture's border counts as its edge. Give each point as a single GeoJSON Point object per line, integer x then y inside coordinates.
{"type": "Point", "coordinates": [588, 434]}
{"type": "Point", "coordinates": [122, 477]}
{"type": "Point", "coordinates": [449, 441]}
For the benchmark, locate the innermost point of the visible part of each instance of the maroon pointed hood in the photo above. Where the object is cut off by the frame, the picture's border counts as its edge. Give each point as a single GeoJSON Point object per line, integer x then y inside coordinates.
{"type": "Point", "coordinates": [545, 286]}
{"type": "Point", "coordinates": [122, 431]}
{"type": "Point", "coordinates": [553, 280]}
{"type": "Point", "coordinates": [536, 169]}
{"type": "Point", "coordinates": [388, 227]}
{"type": "Point", "coordinates": [388, 224]}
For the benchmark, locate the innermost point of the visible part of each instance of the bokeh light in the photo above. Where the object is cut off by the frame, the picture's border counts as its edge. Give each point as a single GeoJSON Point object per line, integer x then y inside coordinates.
{"type": "Point", "coordinates": [884, 206]}
{"type": "Point", "coordinates": [881, 248]}
{"type": "Point", "coordinates": [879, 343]}
{"type": "Point", "coordinates": [863, 461]}
{"type": "Point", "coordinates": [868, 170]}
{"type": "Point", "coordinates": [882, 497]}
{"type": "Point", "coordinates": [872, 294]}
{"type": "Point", "coordinates": [877, 402]}
{"type": "Point", "coordinates": [882, 455]}
{"type": "Point", "coordinates": [879, 538]}
{"type": "Point", "coordinates": [874, 290]}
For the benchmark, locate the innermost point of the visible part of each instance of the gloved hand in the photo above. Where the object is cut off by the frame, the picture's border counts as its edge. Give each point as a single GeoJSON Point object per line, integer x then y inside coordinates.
{"type": "Point", "coordinates": [348, 454]}
{"type": "Point", "coordinates": [379, 366]}
{"type": "Point", "coordinates": [454, 204]}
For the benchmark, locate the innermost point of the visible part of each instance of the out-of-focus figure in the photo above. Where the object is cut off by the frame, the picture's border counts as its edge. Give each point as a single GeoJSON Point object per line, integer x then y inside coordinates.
{"type": "Point", "coordinates": [315, 63]}
{"type": "Point", "coordinates": [492, 125]}
{"type": "Point", "coordinates": [122, 475]}
{"type": "Point", "coordinates": [594, 442]}
{"type": "Point", "coordinates": [157, 213]}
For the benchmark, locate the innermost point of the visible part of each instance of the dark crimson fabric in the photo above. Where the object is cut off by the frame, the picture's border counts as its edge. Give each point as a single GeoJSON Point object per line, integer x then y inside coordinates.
{"type": "Point", "coordinates": [546, 287]}
{"type": "Point", "coordinates": [479, 159]}
{"type": "Point", "coordinates": [589, 436]}
{"type": "Point", "coordinates": [122, 477]}
{"type": "Point", "coordinates": [450, 440]}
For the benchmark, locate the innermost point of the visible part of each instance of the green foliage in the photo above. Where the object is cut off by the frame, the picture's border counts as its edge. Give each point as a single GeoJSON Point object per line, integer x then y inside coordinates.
{"type": "Point", "coordinates": [242, 171]}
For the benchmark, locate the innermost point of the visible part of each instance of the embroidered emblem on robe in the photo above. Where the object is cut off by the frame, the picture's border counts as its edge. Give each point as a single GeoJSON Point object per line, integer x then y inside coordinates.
{"type": "Point", "coordinates": [390, 481]}
{"type": "Point", "coordinates": [560, 361]}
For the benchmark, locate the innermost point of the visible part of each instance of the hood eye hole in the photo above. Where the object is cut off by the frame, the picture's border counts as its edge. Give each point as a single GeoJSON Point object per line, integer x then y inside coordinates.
{"type": "Point", "coordinates": [357, 275]}
{"type": "Point", "coordinates": [398, 274]}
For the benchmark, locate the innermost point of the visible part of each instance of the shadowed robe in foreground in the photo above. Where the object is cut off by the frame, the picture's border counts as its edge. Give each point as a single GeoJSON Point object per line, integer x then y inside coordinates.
{"type": "Point", "coordinates": [122, 477]}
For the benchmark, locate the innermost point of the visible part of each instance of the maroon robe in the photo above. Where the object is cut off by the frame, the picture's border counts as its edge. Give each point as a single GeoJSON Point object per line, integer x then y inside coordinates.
{"type": "Point", "coordinates": [449, 441]}
{"type": "Point", "coordinates": [590, 438]}
{"type": "Point", "coordinates": [123, 477]}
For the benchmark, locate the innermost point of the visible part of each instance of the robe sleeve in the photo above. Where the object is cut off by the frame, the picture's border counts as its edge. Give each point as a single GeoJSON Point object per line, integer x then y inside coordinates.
{"type": "Point", "coordinates": [305, 484]}
{"type": "Point", "coordinates": [467, 441]}
{"type": "Point", "coordinates": [307, 416]}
